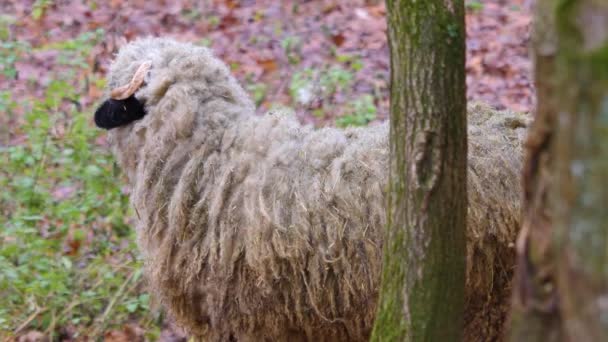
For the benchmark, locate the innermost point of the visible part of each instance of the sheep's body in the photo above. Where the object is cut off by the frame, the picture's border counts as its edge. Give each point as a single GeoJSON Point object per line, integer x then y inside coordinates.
{"type": "Point", "coordinates": [257, 228]}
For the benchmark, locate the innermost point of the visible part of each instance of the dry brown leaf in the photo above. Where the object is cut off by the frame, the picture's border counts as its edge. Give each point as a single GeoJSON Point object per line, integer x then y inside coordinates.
{"type": "Point", "coordinates": [338, 39]}
{"type": "Point", "coordinates": [269, 65]}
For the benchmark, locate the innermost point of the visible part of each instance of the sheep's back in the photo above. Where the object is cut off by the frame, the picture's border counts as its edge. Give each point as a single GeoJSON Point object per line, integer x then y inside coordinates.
{"type": "Point", "coordinates": [273, 234]}
{"type": "Point", "coordinates": [276, 231]}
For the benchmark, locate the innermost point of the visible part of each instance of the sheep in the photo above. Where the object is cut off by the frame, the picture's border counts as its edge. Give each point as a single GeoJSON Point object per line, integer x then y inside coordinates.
{"type": "Point", "coordinates": [257, 228]}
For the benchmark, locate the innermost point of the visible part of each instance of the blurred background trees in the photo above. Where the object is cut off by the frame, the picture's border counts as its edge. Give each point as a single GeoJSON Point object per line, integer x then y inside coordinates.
{"type": "Point", "coordinates": [562, 275]}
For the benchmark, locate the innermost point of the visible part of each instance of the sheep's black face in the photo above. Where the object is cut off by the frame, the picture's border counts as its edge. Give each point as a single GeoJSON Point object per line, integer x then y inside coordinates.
{"type": "Point", "coordinates": [115, 113]}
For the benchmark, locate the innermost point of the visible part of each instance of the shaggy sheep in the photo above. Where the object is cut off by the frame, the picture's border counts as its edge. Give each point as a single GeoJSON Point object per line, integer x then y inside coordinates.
{"type": "Point", "coordinates": [258, 228]}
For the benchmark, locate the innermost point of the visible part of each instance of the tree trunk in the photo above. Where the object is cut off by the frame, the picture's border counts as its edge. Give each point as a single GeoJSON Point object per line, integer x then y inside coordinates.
{"type": "Point", "coordinates": [423, 276]}
{"type": "Point", "coordinates": [562, 278]}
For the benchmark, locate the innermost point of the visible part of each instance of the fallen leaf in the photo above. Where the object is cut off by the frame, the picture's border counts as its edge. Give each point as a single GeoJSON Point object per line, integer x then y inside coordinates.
{"type": "Point", "coordinates": [338, 39]}
{"type": "Point", "coordinates": [269, 65]}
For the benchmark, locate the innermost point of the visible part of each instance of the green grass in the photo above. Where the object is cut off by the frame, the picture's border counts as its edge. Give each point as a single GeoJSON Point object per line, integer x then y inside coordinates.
{"type": "Point", "coordinates": [309, 84]}
{"type": "Point", "coordinates": [292, 46]}
{"type": "Point", "coordinates": [318, 87]}
{"type": "Point", "coordinates": [473, 5]}
{"type": "Point", "coordinates": [10, 51]}
{"type": "Point", "coordinates": [361, 112]}
{"type": "Point", "coordinates": [67, 252]}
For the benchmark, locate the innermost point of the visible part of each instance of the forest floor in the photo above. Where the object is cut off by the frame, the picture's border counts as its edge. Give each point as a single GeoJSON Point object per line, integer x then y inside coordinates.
{"type": "Point", "coordinates": [69, 269]}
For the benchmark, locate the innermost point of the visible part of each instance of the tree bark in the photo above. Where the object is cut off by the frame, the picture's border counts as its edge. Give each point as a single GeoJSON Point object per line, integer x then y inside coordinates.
{"type": "Point", "coordinates": [562, 278]}
{"type": "Point", "coordinates": [423, 277]}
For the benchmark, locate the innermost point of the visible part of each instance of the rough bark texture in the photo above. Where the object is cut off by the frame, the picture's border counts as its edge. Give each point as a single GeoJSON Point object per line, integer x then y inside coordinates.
{"type": "Point", "coordinates": [562, 279]}
{"type": "Point", "coordinates": [422, 293]}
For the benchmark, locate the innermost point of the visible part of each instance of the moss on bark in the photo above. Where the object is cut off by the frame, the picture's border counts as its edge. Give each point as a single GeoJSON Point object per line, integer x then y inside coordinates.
{"type": "Point", "coordinates": [422, 294]}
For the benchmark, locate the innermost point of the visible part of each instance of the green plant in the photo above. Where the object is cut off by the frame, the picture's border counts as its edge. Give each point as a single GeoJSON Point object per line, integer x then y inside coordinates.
{"type": "Point", "coordinates": [354, 62]}
{"type": "Point", "coordinates": [5, 22]}
{"type": "Point", "coordinates": [7, 106]}
{"type": "Point", "coordinates": [308, 84]}
{"type": "Point", "coordinates": [74, 52]}
{"type": "Point", "coordinates": [290, 43]}
{"type": "Point", "coordinates": [10, 51]}
{"type": "Point", "coordinates": [214, 21]}
{"type": "Point", "coordinates": [40, 7]}
{"type": "Point", "coordinates": [292, 46]}
{"type": "Point", "coordinates": [474, 5]}
{"type": "Point", "coordinates": [67, 253]}
{"type": "Point", "coordinates": [258, 91]}
{"type": "Point", "coordinates": [206, 42]}
{"type": "Point", "coordinates": [362, 111]}
{"type": "Point", "coordinates": [335, 78]}
{"type": "Point", "coordinates": [57, 192]}
{"type": "Point", "coordinates": [192, 14]}
{"type": "Point", "coordinates": [302, 86]}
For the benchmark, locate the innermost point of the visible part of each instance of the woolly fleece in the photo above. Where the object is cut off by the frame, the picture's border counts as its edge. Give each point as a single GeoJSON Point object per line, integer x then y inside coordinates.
{"type": "Point", "coordinates": [258, 228]}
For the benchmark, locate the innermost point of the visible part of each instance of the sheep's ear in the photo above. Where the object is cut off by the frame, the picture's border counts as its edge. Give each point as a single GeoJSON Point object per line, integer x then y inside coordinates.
{"type": "Point", "coordinates": [115, 113]}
